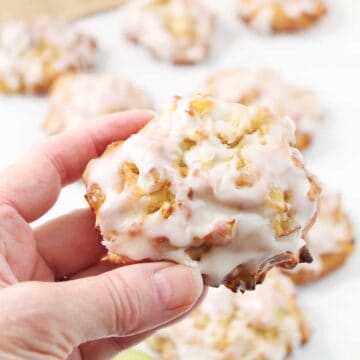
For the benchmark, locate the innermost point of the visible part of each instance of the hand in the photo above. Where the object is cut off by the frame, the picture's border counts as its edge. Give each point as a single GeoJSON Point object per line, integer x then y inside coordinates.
{"type": "Point", "coordinates": [98, 310]}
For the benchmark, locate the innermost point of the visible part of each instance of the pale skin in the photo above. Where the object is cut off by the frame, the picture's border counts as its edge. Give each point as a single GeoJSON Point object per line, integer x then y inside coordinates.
{"type": "Point", "coordinates": [99, 309]}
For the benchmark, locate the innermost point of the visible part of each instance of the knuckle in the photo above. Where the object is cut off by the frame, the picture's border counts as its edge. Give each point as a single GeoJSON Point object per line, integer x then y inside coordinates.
{"type": "Point", "coordinates": [7, 209]}
{"type": "Point", "coordinates": [126, 305]}
{"type": "Point", "coordinates": [12, 223]}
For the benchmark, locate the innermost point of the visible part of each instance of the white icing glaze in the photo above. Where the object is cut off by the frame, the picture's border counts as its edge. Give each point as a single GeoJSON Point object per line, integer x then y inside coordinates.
{"type": "Point", "coordinates": [215, 199]}
{"type": "Point", "coordinates": [30, 50]}
{"type": "Point", "coordinates": [77, 99]}
{"type": "Point", "coordinates": [332, 227]}
{"type": "Point", "coordinates": [265, 322]}
{"type": "Point", "coordinates": [262, 12]}
{"type": "Point", "coordinates": [174, 30]}
{"type": "Point", "coordinates": [266, 88]}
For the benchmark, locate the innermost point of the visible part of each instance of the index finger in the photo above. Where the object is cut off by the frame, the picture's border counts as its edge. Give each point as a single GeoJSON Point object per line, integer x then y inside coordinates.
{"type": "Point", "coordinates": [33, 184]}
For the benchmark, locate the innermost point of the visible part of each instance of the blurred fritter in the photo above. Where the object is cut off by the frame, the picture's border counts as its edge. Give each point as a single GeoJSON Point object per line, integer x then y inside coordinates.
{"type": "Point", "coordinates": [275, 16]}
{"type": "Point", "coordinates": [76, 99]}
{"type": "Point", "coordinates": [177, 31]}
{"type": "Point", "coordinates": [267, 88]}
{"type": "Point", "coordinates": [265, 324]}
{"type": "Point", "coordinates": [330, 240]}
{"type": "Point", "coordinates": [34, 54]}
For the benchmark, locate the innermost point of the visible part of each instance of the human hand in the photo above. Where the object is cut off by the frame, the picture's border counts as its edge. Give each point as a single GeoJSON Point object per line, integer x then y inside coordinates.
{"type": "Point", "coordinates": [99, 310]}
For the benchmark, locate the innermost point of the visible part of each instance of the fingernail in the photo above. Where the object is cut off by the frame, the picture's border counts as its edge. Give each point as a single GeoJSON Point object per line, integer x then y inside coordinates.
{"type": "Point", "coordinates": [178, 286]}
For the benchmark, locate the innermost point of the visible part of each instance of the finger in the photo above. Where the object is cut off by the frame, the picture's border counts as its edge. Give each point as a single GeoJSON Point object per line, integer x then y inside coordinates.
{"type": "Point", "coordinates": [70, 243]}
{"type": "Point", "coordinates": [108, 348]}
{"type": "Point", "coordinates": [97, 269]}
{"type": "Point", "coordinates": [32, 185]}
{"type": "Point", "coordinates": [124, 302]}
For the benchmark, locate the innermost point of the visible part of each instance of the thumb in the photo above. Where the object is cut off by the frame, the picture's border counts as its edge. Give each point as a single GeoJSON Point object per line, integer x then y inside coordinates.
{"type": "Point", "coordinates": [122, 302]}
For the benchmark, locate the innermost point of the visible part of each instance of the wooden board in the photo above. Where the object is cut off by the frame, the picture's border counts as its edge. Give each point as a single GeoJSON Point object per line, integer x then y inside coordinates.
{"type": "Point", "coordinates": [28, 9]}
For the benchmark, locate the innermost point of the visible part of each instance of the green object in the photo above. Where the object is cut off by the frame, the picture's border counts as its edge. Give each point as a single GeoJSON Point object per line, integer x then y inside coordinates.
{"type": "Point", "coordinates": [133, 355]}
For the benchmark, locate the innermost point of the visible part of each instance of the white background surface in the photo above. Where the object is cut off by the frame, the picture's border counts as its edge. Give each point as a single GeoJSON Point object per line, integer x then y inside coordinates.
{"type": "Point", "coordinates": [326, 58]}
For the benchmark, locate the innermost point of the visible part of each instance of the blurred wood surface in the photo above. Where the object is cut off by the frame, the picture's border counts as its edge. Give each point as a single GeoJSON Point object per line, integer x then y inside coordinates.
{"type": "Point", "coordinates": [28, 9]}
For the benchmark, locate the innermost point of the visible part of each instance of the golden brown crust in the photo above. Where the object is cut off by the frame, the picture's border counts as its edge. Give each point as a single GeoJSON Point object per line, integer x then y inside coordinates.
{"type": "Point", "coordinates": [282, 22]}
{"type": "Point", "coordinates": [119, 260]}
{"type": "Point", "coordinates": [95, 197]}
{"type": "Point", "coordinates": [329, 262]}
{"type": "Point", "coordinates": [244, 278]}
{"type": "Point", "coordinates": [37, 89]}
{"type": "Point", "coordinates": [303, 140]}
